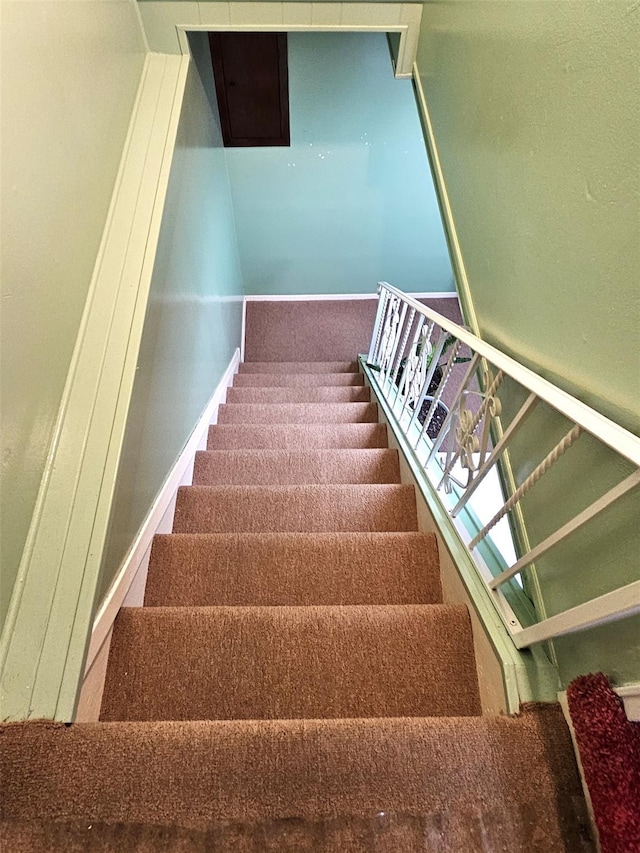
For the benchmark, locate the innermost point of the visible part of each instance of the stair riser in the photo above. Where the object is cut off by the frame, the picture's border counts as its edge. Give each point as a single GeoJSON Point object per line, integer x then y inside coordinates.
{"type": "Point", "coordinates": [355, 394]}
{"type": "Point", "coordinates": [290, 663]}
{"type": "Point", "coordinates": [297, 413]}
{"type": "Point", "coordinates": [294, 569]}
{"type": "Point", "coordinates": [295, 509]}
{"type": "Point", "coordinates": [296, 437]}
{"type": "Point", "coordinates": [268, 468]}
{"type": "Point", "coordinates": [293, 367]}
{"type": "Point", "coordinates": [302, 380]}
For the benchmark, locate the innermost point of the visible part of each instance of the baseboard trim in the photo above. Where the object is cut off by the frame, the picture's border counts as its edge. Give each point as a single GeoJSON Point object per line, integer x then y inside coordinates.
{"type": "Point", "coordinates": [340, 297]}
{"type": "Point", "coordinates": [128, 586]}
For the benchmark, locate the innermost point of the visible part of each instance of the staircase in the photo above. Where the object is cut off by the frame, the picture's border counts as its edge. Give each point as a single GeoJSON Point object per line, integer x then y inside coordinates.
{"type": "Point", "coordinates": [294, 681]}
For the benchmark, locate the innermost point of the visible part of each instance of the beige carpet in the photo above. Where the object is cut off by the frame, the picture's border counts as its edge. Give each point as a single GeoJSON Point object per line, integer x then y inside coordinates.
{"type": "Point", "coordinates": [295, 467]}
{"type": "Point", "coordinates": [318, 329]}
{"type": "Point", "coordinates": [294, 681]}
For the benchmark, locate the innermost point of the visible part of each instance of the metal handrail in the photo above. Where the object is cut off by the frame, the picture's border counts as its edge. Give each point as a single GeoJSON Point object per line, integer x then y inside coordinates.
{"type": "Point", "coordinates": [401, 364]}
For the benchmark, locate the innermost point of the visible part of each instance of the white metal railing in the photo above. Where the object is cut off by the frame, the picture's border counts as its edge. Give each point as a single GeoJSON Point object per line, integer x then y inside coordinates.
{"type": "Point", "coordinates": [440, 384]}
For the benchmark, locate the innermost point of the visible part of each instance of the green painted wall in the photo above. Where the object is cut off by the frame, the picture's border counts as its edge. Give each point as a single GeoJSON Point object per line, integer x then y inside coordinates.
{"type": "Point", "coordinates": [194, 317]}
{"type": "Point", "coordinates": [536, 118]}
{"type": "Point", "coordinates": [70, 73]}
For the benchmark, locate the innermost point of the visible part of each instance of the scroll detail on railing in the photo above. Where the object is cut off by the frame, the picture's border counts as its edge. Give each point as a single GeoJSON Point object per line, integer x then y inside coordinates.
{"type": "Point", "coordinates": [442, 386]}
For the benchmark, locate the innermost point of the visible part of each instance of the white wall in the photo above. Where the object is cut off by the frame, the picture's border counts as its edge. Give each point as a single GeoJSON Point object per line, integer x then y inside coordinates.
{"type": "Point", "coordinates": [70, 72]}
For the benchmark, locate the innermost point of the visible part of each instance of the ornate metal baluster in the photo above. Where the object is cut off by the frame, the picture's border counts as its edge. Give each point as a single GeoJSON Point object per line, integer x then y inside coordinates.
{"type": "Point", "coordinates": [531, 480]}
{"type": "Point", "coordinates": [400, 351]}
{"type": "Point", "coordinates": [473, 364]}
{"type": "Point", "coordinates": [467, 441]}
{"type": "Point", "coordinates": [594, 509]}
{"type": "Point", "coordinates": [388, 381]}
{"type": "Point", "coordinates": [498, 450]}
{"type": "Point", "coordinates": [411, 361]}
{"type": "Point", "coordinates": [416, 365]}
{"type": "Point", "coordinates": [430, 364]}
{"type": "Point", "coordinates": [389, 337]}
{"type": "Point", "coordinates": [374, 348]}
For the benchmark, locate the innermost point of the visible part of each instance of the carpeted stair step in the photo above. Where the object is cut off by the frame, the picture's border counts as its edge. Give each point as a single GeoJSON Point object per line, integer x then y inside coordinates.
{"type": "Point", "coordinates": [296, 436]}
{"type": "Point", "coordinates": [273, 569]}
{"type": "Point", "coordinates": [295, 509]}
{"type": "Point", "coordinates": [463, 785]}
{"type": "Point", "coordinates": [235, 663]}
{"type": "Point", "coordinates": [313, 394]}
{"type": "Point", "coordinates": [290, 367]}
{"type": "Point", "coordinates": [297, 413]}
{"type": "Point", "coordinates": [296, 380]}
{"type": "Point", "coordinates": [291, 467]}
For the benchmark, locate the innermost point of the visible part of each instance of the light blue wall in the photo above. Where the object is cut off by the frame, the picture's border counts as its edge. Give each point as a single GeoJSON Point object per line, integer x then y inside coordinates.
{"type": "Point", "coordinates": [194, 317]}
{"type": "Point", "coordinates": [351, 202]}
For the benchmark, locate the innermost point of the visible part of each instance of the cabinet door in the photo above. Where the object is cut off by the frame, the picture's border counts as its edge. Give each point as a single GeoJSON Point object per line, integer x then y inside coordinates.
{"type": "Point", "coordinates": [250, 71]}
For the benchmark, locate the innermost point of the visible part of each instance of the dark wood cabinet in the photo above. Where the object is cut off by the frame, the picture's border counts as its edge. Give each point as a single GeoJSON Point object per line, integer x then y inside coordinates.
{"type": "Point", "coordinates": [252, 87]}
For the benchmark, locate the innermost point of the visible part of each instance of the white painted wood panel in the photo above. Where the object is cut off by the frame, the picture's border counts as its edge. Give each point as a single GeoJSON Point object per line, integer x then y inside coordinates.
{"type": "Point", "coordinates": [43, 647]}
{"type": "Point", "coordinates": [166, 22]}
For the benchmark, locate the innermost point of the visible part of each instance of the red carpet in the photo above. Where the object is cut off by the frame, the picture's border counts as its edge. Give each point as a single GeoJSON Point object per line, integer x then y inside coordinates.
{"type": "Point", "coordinates": [610, 751]}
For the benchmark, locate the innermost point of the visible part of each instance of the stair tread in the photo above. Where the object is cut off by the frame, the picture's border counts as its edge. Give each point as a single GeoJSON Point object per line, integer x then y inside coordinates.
{"type": "Point", "coordinates": [295, 509]}
{"type": "Point", "coordinates": [289, 467]}
{"type": "Point", "coordinates": [296, 380]}
{"type": "Point", "coordinates": [297, 436]}
{"type": "Point", "coordinates": [290, 413]}
{"type": "Point", "coordinates": [293, 569]}
{"type": "Point", "coordinates": [290, 662]}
